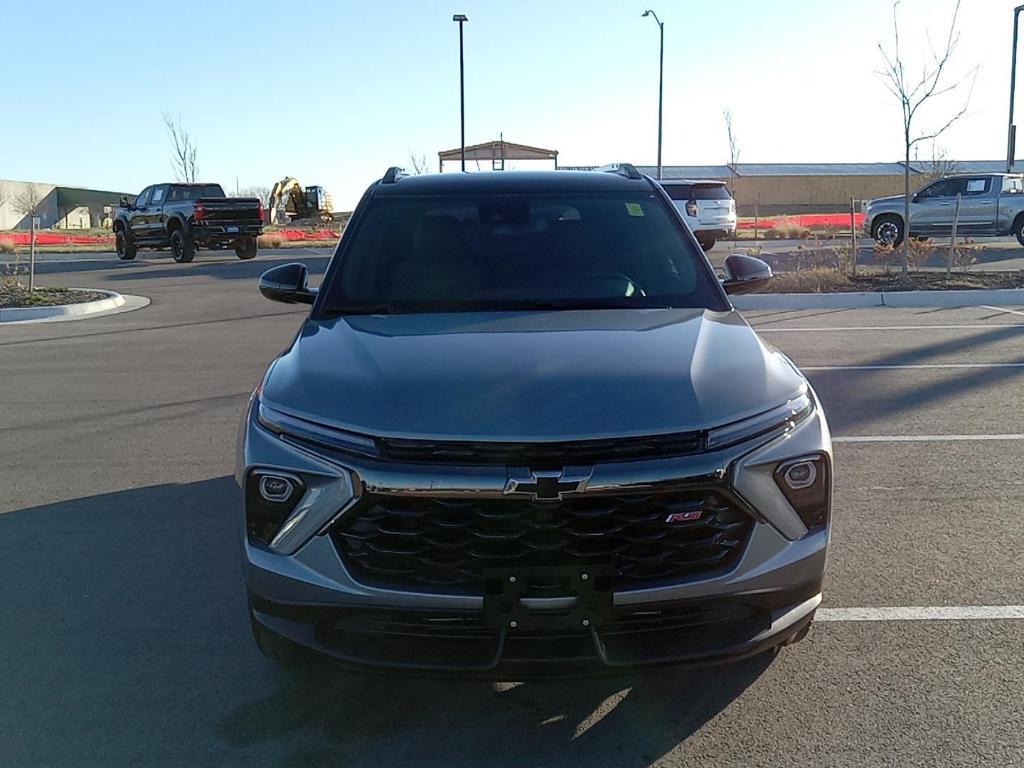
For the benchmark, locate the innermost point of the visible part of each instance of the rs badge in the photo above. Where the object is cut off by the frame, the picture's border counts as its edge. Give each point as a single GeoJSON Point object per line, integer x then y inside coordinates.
{"type": "Point", "coordinates": [682, 517]}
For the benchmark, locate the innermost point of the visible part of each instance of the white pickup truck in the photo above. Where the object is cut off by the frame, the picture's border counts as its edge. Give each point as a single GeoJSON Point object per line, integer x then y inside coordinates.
{"type": "Point", "coordinates": [991, 204]}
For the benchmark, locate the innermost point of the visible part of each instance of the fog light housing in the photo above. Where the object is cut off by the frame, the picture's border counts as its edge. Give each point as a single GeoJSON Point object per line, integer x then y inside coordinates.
{"type": "Point", "coordinates": [270, 498]}
{"type": "Point", "coordinates": [800, 474]}
{"type": "Point", "coordinates": [805, 482]}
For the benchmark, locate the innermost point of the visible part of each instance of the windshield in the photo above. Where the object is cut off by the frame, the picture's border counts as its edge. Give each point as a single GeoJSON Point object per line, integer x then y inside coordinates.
{"type": "Point", "coordinates": [519, 252]}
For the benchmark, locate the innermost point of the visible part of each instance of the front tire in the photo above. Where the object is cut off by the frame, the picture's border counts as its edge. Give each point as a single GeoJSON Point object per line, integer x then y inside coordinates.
{"type": "Point", "coordinates": [1018, 229]}
{"type": "Point", "coordinates": [707, 243]}
{"type": "Point", "coordinates": [183, 247]}
{"type": "Point", "coordinates": [888, 230]}
{"type": "Point", "coordinates": [125, 246]}
{"type": "Point", "coordinates": [246, 249]}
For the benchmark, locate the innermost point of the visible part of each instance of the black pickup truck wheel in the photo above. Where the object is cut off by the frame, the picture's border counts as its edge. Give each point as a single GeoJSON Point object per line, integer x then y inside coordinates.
{"type": "Point", "coordinates": [246, 248]}
{"type": "Point", "coordinates": [183, 247]}
{"type": "Point", "coordinates": [125, 245]}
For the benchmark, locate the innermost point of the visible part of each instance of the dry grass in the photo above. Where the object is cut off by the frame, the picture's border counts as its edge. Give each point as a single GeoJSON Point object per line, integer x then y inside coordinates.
{"type": "Point", "coordinates": [786, 228]}
{"type": "Point", "coordinates": [813, 280]}
{"type": "Point", "coordinates": [271, 240]}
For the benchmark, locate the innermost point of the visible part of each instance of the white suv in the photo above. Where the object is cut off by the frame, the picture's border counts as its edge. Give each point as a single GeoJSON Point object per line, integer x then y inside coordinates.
{"type": "Point", "coordinates": [707, 207]}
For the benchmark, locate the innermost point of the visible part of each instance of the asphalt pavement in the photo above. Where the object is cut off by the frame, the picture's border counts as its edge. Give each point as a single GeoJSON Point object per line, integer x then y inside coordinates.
{"type": "Point", "coordinates": [123, 630]}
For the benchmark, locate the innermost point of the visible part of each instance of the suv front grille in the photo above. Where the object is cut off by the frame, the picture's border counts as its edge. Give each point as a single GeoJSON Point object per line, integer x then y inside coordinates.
{"type": "Point", "coordinates": [413, 542]}
{"type": "Point", "coordinates": [537, 455]}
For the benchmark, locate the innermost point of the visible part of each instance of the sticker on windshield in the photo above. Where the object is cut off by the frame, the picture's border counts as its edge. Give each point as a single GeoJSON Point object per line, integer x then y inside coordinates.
{"type": "Point", "coordinates": [634, 209]}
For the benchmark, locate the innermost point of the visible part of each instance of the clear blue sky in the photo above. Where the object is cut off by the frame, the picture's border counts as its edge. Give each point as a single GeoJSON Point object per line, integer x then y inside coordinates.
{"type": "Point", "coordinates": [334, 92]}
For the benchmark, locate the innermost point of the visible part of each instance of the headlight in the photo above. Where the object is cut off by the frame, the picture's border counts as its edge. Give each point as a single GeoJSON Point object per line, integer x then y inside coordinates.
{"type": "Point", "coordinates": [311, 432]}
{"type": "Point", "coordinates": [768, 425]}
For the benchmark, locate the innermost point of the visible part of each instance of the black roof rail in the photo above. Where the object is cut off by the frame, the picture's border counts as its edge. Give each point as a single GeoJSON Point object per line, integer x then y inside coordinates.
{"type": "Point", "coordinates": [623, 169]}
{"type": "Point", "coordinates": [394, 173]}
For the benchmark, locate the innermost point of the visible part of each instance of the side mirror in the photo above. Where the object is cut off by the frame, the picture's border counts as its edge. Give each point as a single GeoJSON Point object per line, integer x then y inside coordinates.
{"type": "Point", "coordinates": [744, 274]}
{"type": "Point", "coordinates": [914, 198]}
{"type": "Point", "coordinates": [124, 201]}
{"type": "Point", "coordinates": [287, 284]}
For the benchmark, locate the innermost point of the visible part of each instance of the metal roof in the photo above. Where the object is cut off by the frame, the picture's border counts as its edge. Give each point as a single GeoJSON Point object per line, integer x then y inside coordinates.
{"type": "Point", "coordinates": [972, 166]}
{"type": "Point", "coordinates": [494, 150]}
{"type": "Point", "coordinates": [819, 169]}
{"type": "Point", "coordinates": [717, 172]}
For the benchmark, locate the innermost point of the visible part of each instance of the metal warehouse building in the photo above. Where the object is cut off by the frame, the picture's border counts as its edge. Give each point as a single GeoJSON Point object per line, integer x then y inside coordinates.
{"type": "Point", "coordinates": [775, 188]}
{"type": "Point", "coordinates": [59, 207]}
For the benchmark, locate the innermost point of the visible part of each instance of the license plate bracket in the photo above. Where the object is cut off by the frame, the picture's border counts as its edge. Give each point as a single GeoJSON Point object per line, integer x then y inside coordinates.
{"type": "Point", "coordinates": [547, 598]}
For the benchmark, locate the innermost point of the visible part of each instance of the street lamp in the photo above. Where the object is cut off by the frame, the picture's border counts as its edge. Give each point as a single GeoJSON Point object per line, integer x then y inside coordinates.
{"type": "Point", "coordinates": [462, 19]}
{"type": "Point", "coordinates": [661, 78]}
{"type": "Point", "coordinates": [1011, 134]}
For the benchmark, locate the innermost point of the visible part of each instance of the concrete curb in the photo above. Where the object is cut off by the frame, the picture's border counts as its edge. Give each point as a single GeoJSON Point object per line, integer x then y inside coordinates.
{"type": "Point", "coordinates": [113, 301]}
{"type": "Point", "coordinates": [974, 298]}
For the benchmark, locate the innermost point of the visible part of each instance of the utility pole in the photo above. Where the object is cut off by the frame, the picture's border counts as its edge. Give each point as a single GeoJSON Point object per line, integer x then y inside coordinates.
{"type": "Point", "coordinates": [661, 78]}
{"type": "Point", "coordinates": [461, 18]}
{"type": "Point", "coordinates": [1011, 132]}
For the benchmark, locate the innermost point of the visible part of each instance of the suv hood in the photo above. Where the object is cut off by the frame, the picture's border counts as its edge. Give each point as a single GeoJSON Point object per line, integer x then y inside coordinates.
{"type": "Point", "coordinates": [566, 375]}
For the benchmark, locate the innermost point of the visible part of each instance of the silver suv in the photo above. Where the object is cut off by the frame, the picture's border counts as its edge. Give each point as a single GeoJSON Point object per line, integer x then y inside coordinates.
{"type": "Point", "coordinates": [523, 427]}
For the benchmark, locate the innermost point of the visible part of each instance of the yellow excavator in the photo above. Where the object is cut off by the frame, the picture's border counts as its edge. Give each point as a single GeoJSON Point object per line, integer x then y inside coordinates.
{"type": "Point", "coordinates": [289, 202]}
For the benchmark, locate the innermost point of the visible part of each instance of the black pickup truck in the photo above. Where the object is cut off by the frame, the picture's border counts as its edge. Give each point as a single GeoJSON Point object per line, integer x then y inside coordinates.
{"type": "Point", "coordinates": [186, 217]}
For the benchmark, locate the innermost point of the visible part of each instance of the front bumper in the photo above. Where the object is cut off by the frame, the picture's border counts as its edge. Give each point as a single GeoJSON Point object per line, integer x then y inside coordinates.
{"type": "Point", "coordinates": [302, 590]}
{"type": "Point", "coordinates": [453, 642]}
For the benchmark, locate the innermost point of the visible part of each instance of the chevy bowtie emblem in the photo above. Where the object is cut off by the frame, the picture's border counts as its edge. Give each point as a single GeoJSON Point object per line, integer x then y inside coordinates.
{"type": "Point", "coordinates": [546, 485]}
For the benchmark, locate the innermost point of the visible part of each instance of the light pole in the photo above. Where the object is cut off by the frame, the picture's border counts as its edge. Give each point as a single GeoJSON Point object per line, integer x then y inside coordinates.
{"type": "Point", "coordinates": [462, 19]}
{"type": "Point", "coordinates": [1011, 131]}
{"type": "Point", "coordinates": [661, 77]}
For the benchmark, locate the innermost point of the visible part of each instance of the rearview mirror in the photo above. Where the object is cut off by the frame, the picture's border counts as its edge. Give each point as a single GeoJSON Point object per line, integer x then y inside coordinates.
{"type": "Point", "coordinates": [744, 274]}
{"type": "Point", "coordinates": [287, 284]}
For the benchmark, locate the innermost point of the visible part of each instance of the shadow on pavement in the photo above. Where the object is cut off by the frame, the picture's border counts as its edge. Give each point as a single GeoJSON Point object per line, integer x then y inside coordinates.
{"type": "Point", "coordinates": [370, 720]}
{"type": "Point", "coordinates": [877, 396]}
{"type": "Point", "coordinates": [125, 632]}
{"type": "Point", "coordinates": [144, 269]}
{"type": "Point", "coordinates": [226, 270]}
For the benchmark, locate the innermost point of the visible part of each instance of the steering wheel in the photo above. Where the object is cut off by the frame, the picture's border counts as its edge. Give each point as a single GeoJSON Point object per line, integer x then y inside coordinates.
{"type": "Point", "coordinates": [608, 284]}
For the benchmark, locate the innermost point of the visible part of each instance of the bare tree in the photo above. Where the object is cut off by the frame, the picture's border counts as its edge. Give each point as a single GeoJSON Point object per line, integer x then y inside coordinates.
{"type": "Point", "coordinates": [734, 148]}
{"type": "Point", "coordinates": [419, 164]}
{"type": "Point", "coordinates": [183, 150]}
{"type": "Point", "coordinates": [27, 199]}
{"type": "Point", "coordinates": [261, 193]}
{"type": "Point", "coordinates": [939, 166]}
{"type": "Point", "coordinates": [912, 92]}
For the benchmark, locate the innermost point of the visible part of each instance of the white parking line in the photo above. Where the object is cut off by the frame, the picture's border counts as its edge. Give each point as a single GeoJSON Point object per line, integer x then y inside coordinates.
{"type": "Point", "coordinates": [827, 328]}
{"type": "Point", "coordinates": [1003, 309]}
{"type": "Point", "coordinates": [911, 613]}
{"type": "Point", "coordinates": [909, 366]}
{"type": "Point", "coordinates": [922, 438]}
